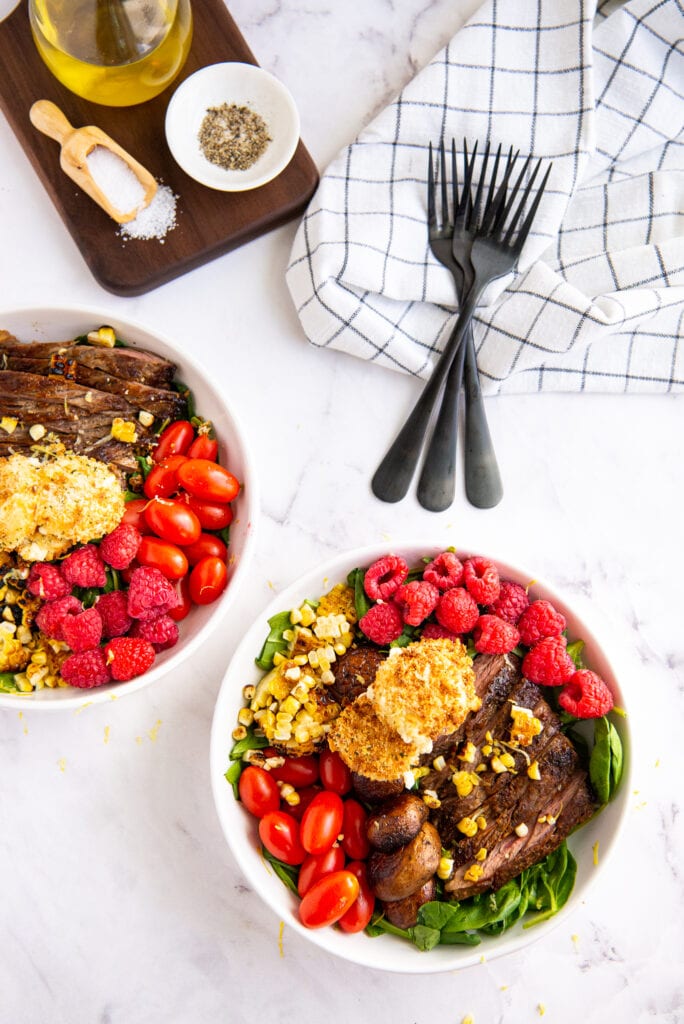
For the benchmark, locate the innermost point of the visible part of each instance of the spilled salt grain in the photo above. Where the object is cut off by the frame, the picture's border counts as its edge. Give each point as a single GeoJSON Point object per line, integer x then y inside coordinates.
{"type": "Point", "coordinates": [115, 179]}
{"type": "Point", "coordinates": [156, 220]}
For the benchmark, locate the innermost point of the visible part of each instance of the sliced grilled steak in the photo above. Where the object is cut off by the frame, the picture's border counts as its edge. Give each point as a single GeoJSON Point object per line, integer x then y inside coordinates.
{"type": "Point", "coordinates": [129, 364]}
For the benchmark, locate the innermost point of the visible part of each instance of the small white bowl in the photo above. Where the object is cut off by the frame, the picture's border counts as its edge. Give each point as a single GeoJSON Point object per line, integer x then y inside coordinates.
{"type": "Point", "coordinates": [55, 324]}
{"type": "Point", "coordinates": [386, 952]}
{"type": "Point", "coordinates": [245, 85]}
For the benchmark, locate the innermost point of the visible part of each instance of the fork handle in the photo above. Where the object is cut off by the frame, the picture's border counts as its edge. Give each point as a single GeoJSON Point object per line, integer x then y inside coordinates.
{"type": "Point", "coordinates": [394, 474]}
{"type": "Point", "coordinates": [482, 477]}
{"type": "Point", "coordinates": [437, 483]}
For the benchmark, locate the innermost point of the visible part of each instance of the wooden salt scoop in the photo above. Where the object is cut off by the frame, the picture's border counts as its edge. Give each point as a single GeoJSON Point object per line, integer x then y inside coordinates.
{"type": "Point", "coordinates": [76, 144]}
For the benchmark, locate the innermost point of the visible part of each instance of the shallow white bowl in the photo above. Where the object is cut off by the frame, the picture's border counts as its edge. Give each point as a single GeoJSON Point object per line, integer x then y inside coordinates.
{"type": "Point", "coordinates": [387, 952]}
{"type": "Point", "coordinates": [245, 85]}
{"type": "Point", "coordinates": [54, 324]}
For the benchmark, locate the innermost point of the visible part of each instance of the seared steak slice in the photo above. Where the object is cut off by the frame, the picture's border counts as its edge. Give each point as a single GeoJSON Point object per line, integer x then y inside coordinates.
{"type": "Point", "coordinates": [129, 364]}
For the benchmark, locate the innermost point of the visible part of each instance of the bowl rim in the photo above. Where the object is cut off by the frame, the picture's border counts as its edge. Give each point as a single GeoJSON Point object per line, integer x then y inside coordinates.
{"type": "Point", "coordinates": [175, 136]}
{"type": "Point", "coordinates": [86, 698]}
{"type": "Point", "coordinates": [451, 957]}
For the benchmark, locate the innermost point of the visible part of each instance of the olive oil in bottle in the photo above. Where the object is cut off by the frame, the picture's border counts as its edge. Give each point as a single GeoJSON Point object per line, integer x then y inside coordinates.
{"type": "Point", "coordinates": [116, 52]}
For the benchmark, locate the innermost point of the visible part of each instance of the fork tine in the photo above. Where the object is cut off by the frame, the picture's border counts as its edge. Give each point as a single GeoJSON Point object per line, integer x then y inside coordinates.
{"type": "Point", "coordinates": [466, 204]}
{"type": "Point", "coordinates": [454, 179]}
{"type": "Point", "coordinates": [492, 181]}
{"type": "Point", "coordinates": [480, 186]}
{"type": "Point", "coordinates": [521, 204]}
{"type": "Point", "coordinates": [431, 191]}
{"type": "Point", "coordinates": [493, 213]}
{"type": "Point", "coordinates": [443, 183]}
{"type": "Point", "coordinates": [527, 223]}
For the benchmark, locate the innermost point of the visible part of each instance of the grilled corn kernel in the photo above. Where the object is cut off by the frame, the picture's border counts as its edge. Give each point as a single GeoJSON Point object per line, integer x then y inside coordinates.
{"type": "Point", "coordinates": [323, 662]}
{"type": "Point", "coordinates": [482, 767]}
{"type": "Point", "coordinates": [420, 773]}
{"type": "Point", "coordinates": [487, 749]}
{"type": "Point", "coordinates": [465, 782]}
{"type": "Point", "coordinates": [300, 659]}
{"type": "Point", "coordinates": [481, 822]}
{"type": "Point", "coordinates": [279, 658]}
{"type": "Point", "coordinates": [542, 819]}
{"type": "Point", "coordinates": [289, 635]}
{"type": "Point", "coordinates": [431, 799]}
{"type": "Point", "coordinates": [313, 658]}
{"type": "Point", "coordinates": [308, 615]}
{"type": "Point", "coordinates": [468, 752]}
{"type": "Point", "coordinates": [278, 687]}
{"type": "Point", "coordinates": [439, 764]}
{"type": "Point", "coordinates": [497, 765]}
{"type": "Point", "coordinates": [145, 419]}
{"type": "Point", "coordinates": [103, 336]}
{"type": "Point", "coordinates": [8, 424]}
{"type": "Point", "coordinates": [37, 431]}
{"type": "Point", "coordinates": [327, 678]}
{"type": "Point", "coordinates": [473, 874]}
{"type": "Point", "coordinates": [124, 430]}
{"type": "Point", "coordinates": [445, 867]}
{"type": "Point", "coordinates": [508, 760]}
{"type": "Point", "coordinates": [551, 819]}
{"type": "Point", "coordinates": [489, 737]}
{"type": "Point", "coordinates": [481, 854]}
{"type": "Point", "coordinates": [239, 732]}
{"type": "Point", "coordinates": [292, 799]}
{"type": "Point", "coordinates": [293, 673]}
{"type": "Point", "coordinates": [245, 716]}
{"type": "Point", "coordinates": [533, 771]}
{"type": "Point", "coordinates": [285, 789]}
{"type": "Point", "coordinates": [467, 826]}
{"type": "Point", "coordinates": [340, 649]}
{"type": "Point", "coordinates": [521, 830]}
{"type": "Point", "coordinates": [248, 692]}
{"type": "Point", "coordinates": [295, 616]}
{"type": "Point", "coordinates": [282, 733]}
{"type": "Point", "coordinates": [290, 706]}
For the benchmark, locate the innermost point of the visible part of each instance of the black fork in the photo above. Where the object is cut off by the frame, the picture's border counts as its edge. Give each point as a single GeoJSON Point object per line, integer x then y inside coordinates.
{"type": "Point", "coordinates": [493, 255]}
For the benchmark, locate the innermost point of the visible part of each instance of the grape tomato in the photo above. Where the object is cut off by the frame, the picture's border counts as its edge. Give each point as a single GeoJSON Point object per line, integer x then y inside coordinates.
{"type": "Point", "coordinates": [328, 899]}
{"type": "Point", "coordinates": [361, 911]}
{"type": "Point", "coordinates": [174, 440]}
{"type": "Point", "coordinates": [322, 822]}
{"type": "Point", "coordinates": [208, 481]}
{"type": "Point", "coordinates": [355, 842]}
{"type": "Point", "coordinates": [173, 521]}
{"type": "Point", "coordinates": [335, 775]}
{"type": "Point", "coordinates": [258, 791]}
{"type": "Point", "coordinates": [161, 554]}
{"type": "Point", "coordinates": [205, 545]}
{"type": "Point", "coordinates": [318, 864]}
{"type": "Point", "coordinates": [279, 832]}
{"type": "Point", "coordinates": [208, 579]}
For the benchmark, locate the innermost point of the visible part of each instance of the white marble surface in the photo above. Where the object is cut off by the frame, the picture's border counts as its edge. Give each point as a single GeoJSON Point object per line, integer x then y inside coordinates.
{"type": "Point", "coordinates": [120, 903]}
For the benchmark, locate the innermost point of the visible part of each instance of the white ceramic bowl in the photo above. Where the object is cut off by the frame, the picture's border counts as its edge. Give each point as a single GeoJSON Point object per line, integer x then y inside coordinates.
{"type": "Point", "coordinates": [245, 85]}
{"type": "Point", "coordinates": [54, 324]}
{"type": "Point", "coordinates": [387, 952]}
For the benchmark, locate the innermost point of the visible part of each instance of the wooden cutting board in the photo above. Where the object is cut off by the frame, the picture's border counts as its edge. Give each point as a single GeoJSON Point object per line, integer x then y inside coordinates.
{"type": "Point", "coordinates": [209, 222]}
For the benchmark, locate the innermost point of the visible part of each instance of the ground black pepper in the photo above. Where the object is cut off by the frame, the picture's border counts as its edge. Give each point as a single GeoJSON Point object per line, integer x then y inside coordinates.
{"type": "Point", "coordinates": [233, 137]}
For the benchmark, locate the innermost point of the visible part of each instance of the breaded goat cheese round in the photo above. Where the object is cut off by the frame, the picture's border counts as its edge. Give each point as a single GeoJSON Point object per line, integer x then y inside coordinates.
{"type": "Point", "coordinates": [425, 690]}
{"type": "Point", "coordinates": [368, 746]}
{"type": "Point", "coordinates": [50, 502]}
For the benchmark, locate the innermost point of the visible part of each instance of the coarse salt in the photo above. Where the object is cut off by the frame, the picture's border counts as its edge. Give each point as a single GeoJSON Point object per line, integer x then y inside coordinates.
{"type": "Point", "coordinates": [155, 220]}
{"type": "Point", "coordinates": [115, 179]}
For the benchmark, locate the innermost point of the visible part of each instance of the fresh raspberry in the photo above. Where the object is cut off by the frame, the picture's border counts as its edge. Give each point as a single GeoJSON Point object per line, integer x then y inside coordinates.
{"type": "Point", "coordinates": [82, 632]}
{"type": "Point", "coordinates": [585, 695]}
{"type": "Point", "coordinates": [86, 669]}
{"type": "Point", "coordinates": [162, 632]}
{"type": "Point", "coordinates": [433, 631]}
{"type": "Point", "coordinates": [481, 578]}
{"type": "Point", "coordinates": [382, 623]}
{"type": "Point", "coordinates": [456, 610]}
{"type": "Point", "coordinates": [416, 600]}
{"type": "Point", "coordinates": [127, 657]}
{"type": "Point", "coordinates": [46, 581]}
{"type": "Point", "coordinates": [511, 602]}
{"type": "Point", "coordinates": [150, 593]}
{"type": "Point", "coordinates": [493, 635]}
{"type": "Point", "coordinates": [384, 577]}
{"type": "Point", "coordinates": [113, 609]}
{"type": "Point", "coordinates": [444, 572]}
{"type": "Point", "coordinates": [52, 614]}
{"type": "Point", "coordinates": [541, 619]}
{"type": "Point", "coordinates": [84, 568]}
{"type": "Point", "coordinates": [548, 662]}
{"type": "Point", "coordinates": [120, 547]}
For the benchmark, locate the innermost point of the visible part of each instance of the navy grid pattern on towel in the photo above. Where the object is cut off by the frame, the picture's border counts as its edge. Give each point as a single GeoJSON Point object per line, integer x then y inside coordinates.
{"type": "Point", "coordinates": [598, 301]}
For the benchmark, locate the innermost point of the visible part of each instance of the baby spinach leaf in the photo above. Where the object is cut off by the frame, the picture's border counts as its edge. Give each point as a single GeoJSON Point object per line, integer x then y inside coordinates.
{"type": "Point", "coordinates": [575, 651]}
{"type": "Point", "coordinates": [7, 683]}
{"type": "Point", "coordinates": [599, 762]}
{"type": "Point", "coordinates": [233, 777]}
{"type": "Point", "coordinates": [250, 742]}
{"type": "Point", "coordinates": [379, 925]}
{"type": "Point", "coordinates": [616, 759]}
{"type": "Point", "coordinates": [425, 938]}
{"type": "Point", "coordinates": [406, 637]}
{"type": "Point", "coordinates": [274, 641]}
{"type": "Point", "coordinates": [361, 601]}
{"type": "Point", "coordinates": [287, 873]}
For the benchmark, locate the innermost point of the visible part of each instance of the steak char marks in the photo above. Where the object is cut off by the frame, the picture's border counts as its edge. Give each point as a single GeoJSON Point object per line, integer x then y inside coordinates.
{"type": "Point", "coordinates": [76, 391]}
{"type": "Point", "coordinates": [519, 819]}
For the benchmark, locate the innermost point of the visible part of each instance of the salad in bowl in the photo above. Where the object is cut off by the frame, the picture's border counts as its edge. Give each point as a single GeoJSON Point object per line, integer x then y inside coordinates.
{"type": "Point", "coordinates": [420, 757]}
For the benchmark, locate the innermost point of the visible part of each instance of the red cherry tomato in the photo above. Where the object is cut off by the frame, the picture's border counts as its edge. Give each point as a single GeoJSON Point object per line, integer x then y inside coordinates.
{"type": "Point", "coordinates": [203, 447]}
{"type": "Point", "coordinates": [355, 842]}
{"type": "Point", "coordinates": [174, 440]}
{"type": "Point", "coordinates": [205, 545]}
{"type": "Point", "coordinates": [306, 795]}
{"type": "Point", "coordinates": [258, 791]}
{"type": "Point", "coordinates": [172, 520]}
{"type": "Point", "coordinates": [162, 555]}
{"type": "Point", "coordinates": [328, 899]}
{"type": "Point", "coordinates": [279, 832]}
{"type": "Point", "coordinates": [134, 514]}
{"type": "Point", "coordinates": [298, 771]}
{"type": "Point", "coordinates": [361, 910]}
{"type": "Point", "coordinates": [318, 864]}
{"type": "Point", "coordinates": [183, 590]}
{"type": "Point", "coordinates": [322, 822]}
{"type": "Point", "coordinates": [162, 480]}
{"type": "Point", "coordinates": [208, 481]}
{"type": "Point", "coordinates": [208, 579]}
{"type": "Point", "coordinates": [334, 773]}
{"type": "Point", "coordinates": [212, 516]}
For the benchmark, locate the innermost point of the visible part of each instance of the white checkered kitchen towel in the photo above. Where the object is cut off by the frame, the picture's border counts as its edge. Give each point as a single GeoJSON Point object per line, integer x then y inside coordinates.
{"type": "Point", "coordinates": [598, 302]}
